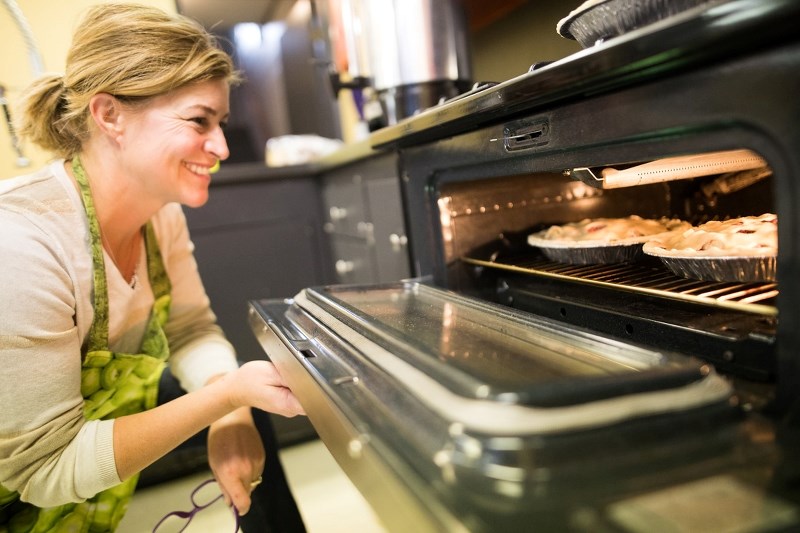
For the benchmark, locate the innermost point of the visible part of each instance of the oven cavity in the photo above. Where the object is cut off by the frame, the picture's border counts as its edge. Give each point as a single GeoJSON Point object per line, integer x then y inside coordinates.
{"type": "Point", "coordinates": [720, 308]}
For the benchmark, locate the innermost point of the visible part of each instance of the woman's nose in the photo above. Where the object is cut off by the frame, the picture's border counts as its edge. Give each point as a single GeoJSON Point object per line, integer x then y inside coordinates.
{"type": "Point", "coordinates": [217, 145]}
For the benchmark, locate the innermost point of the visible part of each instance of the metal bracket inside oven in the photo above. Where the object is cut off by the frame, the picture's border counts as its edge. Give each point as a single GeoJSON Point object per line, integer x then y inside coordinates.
{"type": "Point", "coordinates": [586, 175]}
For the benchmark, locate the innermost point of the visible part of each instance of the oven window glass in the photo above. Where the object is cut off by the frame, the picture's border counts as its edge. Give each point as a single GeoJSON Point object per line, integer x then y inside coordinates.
{"type": "Point", "coordinates": [484, 350]}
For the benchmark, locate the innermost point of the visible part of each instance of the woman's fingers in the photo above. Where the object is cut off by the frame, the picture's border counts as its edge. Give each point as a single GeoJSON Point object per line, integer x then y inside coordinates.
{"type": "Point", "coordinates": [259, 384]}
{"type": "Point", "coordinates": [236, 455]}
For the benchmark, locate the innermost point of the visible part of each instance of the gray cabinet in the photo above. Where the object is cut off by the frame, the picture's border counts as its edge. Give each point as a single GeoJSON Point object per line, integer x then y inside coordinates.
{"type": "Point", "coordinates": [363, 213]}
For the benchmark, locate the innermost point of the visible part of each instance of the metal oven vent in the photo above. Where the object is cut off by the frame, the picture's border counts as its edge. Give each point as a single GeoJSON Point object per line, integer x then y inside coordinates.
{"type": "Point", "coordinates": [648, 279]}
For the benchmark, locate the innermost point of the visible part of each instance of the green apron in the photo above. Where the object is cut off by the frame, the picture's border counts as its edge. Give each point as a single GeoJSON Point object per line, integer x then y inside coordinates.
{"type": "Point", "coordinates": [112, 384]}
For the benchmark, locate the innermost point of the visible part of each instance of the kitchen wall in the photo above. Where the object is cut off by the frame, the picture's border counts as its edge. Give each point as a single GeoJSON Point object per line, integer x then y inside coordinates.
{"type": "Point", "coordinates": [508, 46]}
{"type": "Point", "coordinates": [52, 24]}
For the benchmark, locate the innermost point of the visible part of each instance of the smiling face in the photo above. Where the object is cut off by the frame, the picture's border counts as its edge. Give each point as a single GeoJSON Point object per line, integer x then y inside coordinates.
{"type": "Point", "coordinates": [170, 144]}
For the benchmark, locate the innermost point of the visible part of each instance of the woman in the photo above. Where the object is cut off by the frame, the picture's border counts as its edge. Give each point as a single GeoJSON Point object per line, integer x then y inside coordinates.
{"type": "Point", "coordinates": [99, 285]}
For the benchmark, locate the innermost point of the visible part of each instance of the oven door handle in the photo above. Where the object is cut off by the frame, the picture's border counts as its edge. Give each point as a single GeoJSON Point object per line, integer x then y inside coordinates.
{"type": "Point", "coordinates": [282, 341]}
{"type": "Point", "coordinates": [272, 314]}
{"type": "Point", "coordinates": [291, 337]}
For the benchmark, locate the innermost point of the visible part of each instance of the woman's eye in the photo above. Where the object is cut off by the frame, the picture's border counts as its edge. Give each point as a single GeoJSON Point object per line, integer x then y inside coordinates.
{"type": "Point", "coordinates": [201, 121]}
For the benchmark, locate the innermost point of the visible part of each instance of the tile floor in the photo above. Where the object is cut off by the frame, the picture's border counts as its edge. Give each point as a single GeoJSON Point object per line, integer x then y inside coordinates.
{"type": "Point", "coordinates": [327, 499]}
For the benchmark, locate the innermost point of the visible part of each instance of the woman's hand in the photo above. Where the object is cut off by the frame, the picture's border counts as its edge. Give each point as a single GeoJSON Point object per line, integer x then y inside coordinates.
{"type": "Point", "coordinates": [223, 405]}
{"type": "Point", "coordinates": [258, 384]}
{"type": "Point", "coordinates": [236, 456]}
{"type": "Point", "coordinates": [235, 451]}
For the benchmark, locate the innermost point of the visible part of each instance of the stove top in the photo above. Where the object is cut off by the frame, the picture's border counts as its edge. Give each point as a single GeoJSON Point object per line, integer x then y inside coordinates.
{"type": "Point", "coordinates": [690, 40]}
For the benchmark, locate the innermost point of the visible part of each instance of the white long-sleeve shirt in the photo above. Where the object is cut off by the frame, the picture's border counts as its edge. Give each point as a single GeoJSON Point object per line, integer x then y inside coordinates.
{"type": "Point", "coordinates": [48, 451]}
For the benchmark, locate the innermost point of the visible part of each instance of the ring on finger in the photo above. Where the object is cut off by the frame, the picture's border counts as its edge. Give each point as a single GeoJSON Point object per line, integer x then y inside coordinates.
{"type": "Point", "coordinates": [256, 482]}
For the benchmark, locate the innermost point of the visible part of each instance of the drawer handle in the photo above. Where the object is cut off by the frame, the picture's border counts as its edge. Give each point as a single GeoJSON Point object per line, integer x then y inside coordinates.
{"type": "Point", "coordinates": [344, 267]}
{"type": "Point", "coordinates": [367, 230]}
{"type": "Point", "coordinates": [397, 241]}
{"type": "Point", "coordinates": [338, 213]}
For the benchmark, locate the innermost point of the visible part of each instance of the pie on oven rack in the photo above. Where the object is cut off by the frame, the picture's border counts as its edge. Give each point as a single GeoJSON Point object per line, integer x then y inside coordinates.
{"type": "Point", "coordinates": [737, 249]}
{"type": "Point", "coordinates": [601, 240]}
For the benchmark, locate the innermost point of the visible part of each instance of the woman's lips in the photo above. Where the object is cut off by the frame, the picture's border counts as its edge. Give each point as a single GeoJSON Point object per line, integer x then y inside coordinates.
{"type": "Point", "coordinates": [202, 170]}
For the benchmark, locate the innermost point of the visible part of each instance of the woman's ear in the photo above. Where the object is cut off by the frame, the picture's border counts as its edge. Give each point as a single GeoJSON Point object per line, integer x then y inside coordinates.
{"type": "Point", "coordinates": [106, 114]}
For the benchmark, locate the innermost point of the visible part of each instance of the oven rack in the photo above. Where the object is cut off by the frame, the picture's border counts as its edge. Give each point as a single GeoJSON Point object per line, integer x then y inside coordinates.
{"type": "Point", "coordinates": [651, 279]}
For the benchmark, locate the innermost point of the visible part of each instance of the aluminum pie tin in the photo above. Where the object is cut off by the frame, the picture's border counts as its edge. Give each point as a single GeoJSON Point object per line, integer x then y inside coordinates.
{"type": "Point", "coordinates": [577, 250]}
{"type": "Point", "coordinates": [743, 269]}
{"type": "Point", "coordinates": [589, 252]}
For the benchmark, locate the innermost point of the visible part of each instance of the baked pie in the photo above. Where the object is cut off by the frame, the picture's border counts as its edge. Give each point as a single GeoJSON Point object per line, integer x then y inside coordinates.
{"type": "Point", "coordinates": [743, 249]}
{"type": "Point", "coordinates": [736, 237]}
{"type": "Point", "coordinates": [601, 240]}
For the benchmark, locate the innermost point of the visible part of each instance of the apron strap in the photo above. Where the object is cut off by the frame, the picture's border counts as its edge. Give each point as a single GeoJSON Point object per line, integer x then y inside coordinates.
{"type": "Point", "coordinates": [157, 275]}
{"type": "Point", "coordinates": [98, 334]}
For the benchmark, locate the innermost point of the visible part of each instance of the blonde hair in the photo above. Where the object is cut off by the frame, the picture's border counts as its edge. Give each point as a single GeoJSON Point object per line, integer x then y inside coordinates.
{"type": "Point", "coordinates": [131, 51]}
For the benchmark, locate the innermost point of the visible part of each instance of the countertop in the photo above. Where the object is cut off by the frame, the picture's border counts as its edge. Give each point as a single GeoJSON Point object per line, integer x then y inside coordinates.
{"type": "Point", "coordinates": [257, 171]}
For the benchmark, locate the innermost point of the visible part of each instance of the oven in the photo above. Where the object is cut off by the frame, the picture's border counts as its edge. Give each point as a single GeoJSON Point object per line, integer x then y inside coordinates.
{"type": "Point", "coordinates": [501, 390]}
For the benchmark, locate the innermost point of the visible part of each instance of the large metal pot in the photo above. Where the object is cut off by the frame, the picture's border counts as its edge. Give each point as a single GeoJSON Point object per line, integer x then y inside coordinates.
{"type": "Point", "coordinates": [411, 52]}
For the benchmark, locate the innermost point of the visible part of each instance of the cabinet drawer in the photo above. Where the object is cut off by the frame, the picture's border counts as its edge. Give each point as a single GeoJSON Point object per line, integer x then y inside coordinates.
{"type": "Point", "coordinates": [353, 260]}
{"type": "Point", "coordinates": [343, 204]}
{"type": "Point", "coordinates": [388, 229]}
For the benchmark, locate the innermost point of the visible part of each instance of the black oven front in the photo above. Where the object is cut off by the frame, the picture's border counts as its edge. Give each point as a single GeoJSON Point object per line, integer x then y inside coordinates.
{"type": "Point", "coordinates": [499, 390]}
{"type": "Point", "coordinates": [471, 201]}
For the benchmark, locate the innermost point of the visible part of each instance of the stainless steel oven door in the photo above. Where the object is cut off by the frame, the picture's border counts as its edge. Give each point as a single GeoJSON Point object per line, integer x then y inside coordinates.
{"type": "Point", "coordinates": [449, 413]}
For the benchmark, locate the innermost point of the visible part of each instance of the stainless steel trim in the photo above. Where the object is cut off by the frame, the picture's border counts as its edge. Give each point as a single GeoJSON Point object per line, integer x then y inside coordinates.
{"type": "Point", "coordinates": [505, 419]}
{"type": "Point", "coordinates": [401, 500]}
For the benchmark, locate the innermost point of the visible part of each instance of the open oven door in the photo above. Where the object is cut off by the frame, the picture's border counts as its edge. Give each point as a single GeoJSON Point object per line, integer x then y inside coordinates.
{"type": "Point", "coordinates": [453, 414]}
